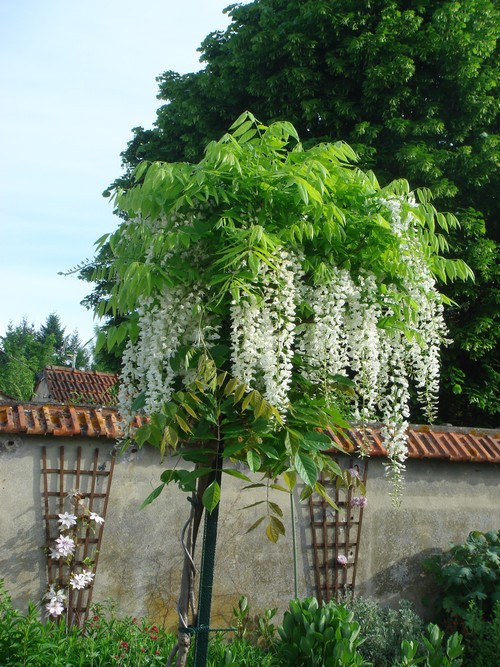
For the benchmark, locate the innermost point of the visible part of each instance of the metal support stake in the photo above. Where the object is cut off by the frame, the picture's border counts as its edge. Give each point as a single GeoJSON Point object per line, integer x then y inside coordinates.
{"type": "Point", "coordinates": [207, 572]}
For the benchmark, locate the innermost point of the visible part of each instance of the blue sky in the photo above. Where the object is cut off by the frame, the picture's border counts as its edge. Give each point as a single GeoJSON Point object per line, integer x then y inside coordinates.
{"type": "Point", "coordinates": [75, 77]}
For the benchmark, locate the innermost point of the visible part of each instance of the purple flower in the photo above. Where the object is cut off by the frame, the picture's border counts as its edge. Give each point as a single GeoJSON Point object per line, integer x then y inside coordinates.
{"type": "Point", "coordinates": [342, 560]}
{"type": "Point", "coordinates": [354, 472]}
{"type": "Point", "coordinates": [362, 501]}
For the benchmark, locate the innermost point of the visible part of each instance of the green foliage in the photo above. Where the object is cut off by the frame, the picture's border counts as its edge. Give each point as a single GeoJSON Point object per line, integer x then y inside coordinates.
{"type": "Point", "coordinates": [52, 329]}
{"type": "Point", "coordinates": [321, 636]}
{"type": "Point", "coordinates": [384, 629]}
{"type": "Point", "coordinates": [412, 86]}
{"type": "Point", "coordinates": [256, 191]}
{"type": "Point", "coordinates": [436, 651]}
{"type": "Point", "coordinates": [467, 573]}
{"type": "Point", "coordinates": [258, 629]}
{"type": "Point", "coordinates": [25, 640]}
{"type": "Point", "coordinates": [482, 637]}
{"type": "Point", "coordinates": [105, 640]}
{"type": "Point", "coordinates": [239, 652]}
{"type": "Point", "coordinates": [24, 353]}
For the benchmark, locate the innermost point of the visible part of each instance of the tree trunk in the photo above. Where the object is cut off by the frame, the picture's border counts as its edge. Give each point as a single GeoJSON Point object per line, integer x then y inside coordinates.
{"type": "Point", "coordinates": [186, 602]}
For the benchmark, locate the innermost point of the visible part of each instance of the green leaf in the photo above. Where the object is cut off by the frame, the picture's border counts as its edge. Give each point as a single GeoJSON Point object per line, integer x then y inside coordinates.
{"type": "Point", "coordinates": [316, 441]}
{"type": "Point", "coordinates": [290, 479]}
{"type": "Point", "coordinates": [275, 508]}
{"type": "Point", "coordinates": [182, 423]}
{"type": "Point", "coordinates": [139, 402]}
{"type": "Point", "coordinates": [272, 532]}
{"type": "Point", "coordinates": [249, 398]}
{"type": "Point", "coordinates": [143, 434]}
{"type": "Point", "coordinates": [306, 492]}
{"type": "Point", "coordinates": [320, 489]}
{"type": "Point", "coordinates": [306, 468]}
{"type": "Point", "coordinates": [236, 473]}
{"type": "Point", "coordinates": [230, 386]}
{"type": "Point", "coordinates": [211, 496]}
{"type": "Point", "coordinates": [256, 524]}
{"type": "Point", "coordinates": [152, 496]}
{"type": "Point", "coordinates": [277, 524]}
{"type": "Point", "coordinates": [253, 460]}
{"type": "Point", "coordinates": [239, 392]}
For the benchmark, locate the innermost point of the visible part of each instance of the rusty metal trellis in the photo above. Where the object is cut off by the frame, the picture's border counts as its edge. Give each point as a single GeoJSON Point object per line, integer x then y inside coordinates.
{"type": "Point", "coordinates": [92, 480]}
{"type": "Point", "coordinates": [336, 534]}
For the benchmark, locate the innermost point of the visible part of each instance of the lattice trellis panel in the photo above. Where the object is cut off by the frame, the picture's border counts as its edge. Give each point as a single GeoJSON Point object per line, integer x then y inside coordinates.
{"type": "Point", "coordinates": [336, 535]}
{"type": "Point", "coordinates": [77, 483]}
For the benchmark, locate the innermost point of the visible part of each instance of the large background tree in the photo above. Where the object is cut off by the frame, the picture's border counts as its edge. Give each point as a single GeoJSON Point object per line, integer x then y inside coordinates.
{"type": "Point", "coordinates": [25, 351]}
{"type": "Point", "coordinates": [412, 86]}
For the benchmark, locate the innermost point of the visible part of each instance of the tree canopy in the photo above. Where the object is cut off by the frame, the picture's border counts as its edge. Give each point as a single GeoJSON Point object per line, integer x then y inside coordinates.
{"type": "Point", "coordinates": [25, 351]}
{"type": "Point", "coordinates": [411, 86]}
{"type": "Point", "coordinates": [264, 294]}
{"type": "Point", "coordinates": [289, 271]}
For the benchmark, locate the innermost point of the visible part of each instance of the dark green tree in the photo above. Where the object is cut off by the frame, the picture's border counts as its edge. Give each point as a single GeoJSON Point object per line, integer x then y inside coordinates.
{"type": "Point", "coordinates": [52, 328]}
{"type": "Point", "coordinates": [77, 354]}
{"type": "Point", "coordinates": [24, 353]}
{"type": "Point", "coordinates": [22, 356]}
{"type": "Point", "coordinates": [412, 86]}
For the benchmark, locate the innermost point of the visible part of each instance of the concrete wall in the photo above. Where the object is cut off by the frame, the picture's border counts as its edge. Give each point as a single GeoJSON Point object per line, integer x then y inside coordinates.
{"type": "Point", "coordinates": [140, 558]}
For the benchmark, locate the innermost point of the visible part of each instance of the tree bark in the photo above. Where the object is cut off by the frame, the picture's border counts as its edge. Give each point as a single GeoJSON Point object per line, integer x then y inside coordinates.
{"type": "Point", "coordinates": [186, 602]}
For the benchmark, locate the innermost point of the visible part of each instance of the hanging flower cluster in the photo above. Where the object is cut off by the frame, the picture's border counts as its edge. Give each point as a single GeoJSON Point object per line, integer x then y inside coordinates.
{"type": "Point", "coordinates": [263, 331]}
{"type": "Point", "coordinates": [301, 277]}
{"type": "Point", "coordinates": [166, 323]}
{"type": "Point", "coordinates": [344, 334]}
{"type": "Point", "coordinates": [64, 549]}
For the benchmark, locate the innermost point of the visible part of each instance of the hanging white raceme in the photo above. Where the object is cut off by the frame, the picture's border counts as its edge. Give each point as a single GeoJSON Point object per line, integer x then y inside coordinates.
{"type": "Point", "coordinates": [263, 330]}
{"type": "Point", "coordinates": [323, 342]}
{"type": "Point", "coordinates": [165, 323]}
{"type": "Point", "coordinates": [343, 333]}
{"type": "Point", "coordinates": [363, 313]}
{"type": "Point", "coordinates": [422, 352]}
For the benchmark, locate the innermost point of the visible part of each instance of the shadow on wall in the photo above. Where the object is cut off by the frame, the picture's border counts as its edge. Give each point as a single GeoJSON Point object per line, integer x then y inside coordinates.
{"type": "Point", "coordinates": [23, 554]}
{"type": "Point", "coordinates": [404, 579]}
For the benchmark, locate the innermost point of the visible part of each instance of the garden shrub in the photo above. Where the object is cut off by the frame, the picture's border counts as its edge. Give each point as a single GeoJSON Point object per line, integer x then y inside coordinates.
{"type": "Point", "coordinates": [240, 652]}
{"type": "Point", "coordinates": [482, 638]}
{"type": "Point", "coordinates": [467, 573]}
{"type": "Point", "coordinates": [26, 640]}
{"type": "Point", "coordinates": [434, 652]}
{"type": "Point", "coordinates": [105, 640]}
{"type": "Point", "coordinates": [319, 636]}
{"type": "Point", "coordinates": [384, 629]}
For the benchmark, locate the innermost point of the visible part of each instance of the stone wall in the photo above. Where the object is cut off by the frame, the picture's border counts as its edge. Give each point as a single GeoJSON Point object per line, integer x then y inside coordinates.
{"type": "Point", "coordinates": [141, 556]}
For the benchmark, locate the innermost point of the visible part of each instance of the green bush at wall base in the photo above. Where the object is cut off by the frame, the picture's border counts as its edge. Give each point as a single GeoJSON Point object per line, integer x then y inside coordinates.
{"type": "Point", "coordinates": [467, 573]}
{"type": "Point", "coordinates": [319, 636]}
{"type": "Point", "coordinates": [384, 629]}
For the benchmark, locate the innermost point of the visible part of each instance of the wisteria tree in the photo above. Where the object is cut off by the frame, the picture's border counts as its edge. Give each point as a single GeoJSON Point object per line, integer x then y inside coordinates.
{"type": "Point", "coordinates": [267, 293]}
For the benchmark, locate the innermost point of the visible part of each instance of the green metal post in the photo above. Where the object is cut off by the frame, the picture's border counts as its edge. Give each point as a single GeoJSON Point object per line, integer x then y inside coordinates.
{"type": "Point", "coordinates": [207, 573]}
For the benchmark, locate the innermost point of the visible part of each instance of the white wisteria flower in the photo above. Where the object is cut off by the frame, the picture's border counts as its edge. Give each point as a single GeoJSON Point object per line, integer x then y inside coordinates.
{"type": "Point", "coordinates": [67, 520]}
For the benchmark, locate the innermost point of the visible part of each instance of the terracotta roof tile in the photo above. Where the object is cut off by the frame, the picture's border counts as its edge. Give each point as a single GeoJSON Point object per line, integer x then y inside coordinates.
{"type": "Point", "coordinates": [60, 420]}
{"type": "Point", "coordinates": [433, 442]}
{"type": "Point", "coordinates": [60, 384]}
{"type": "Point", "coordinates": [424, 442]}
